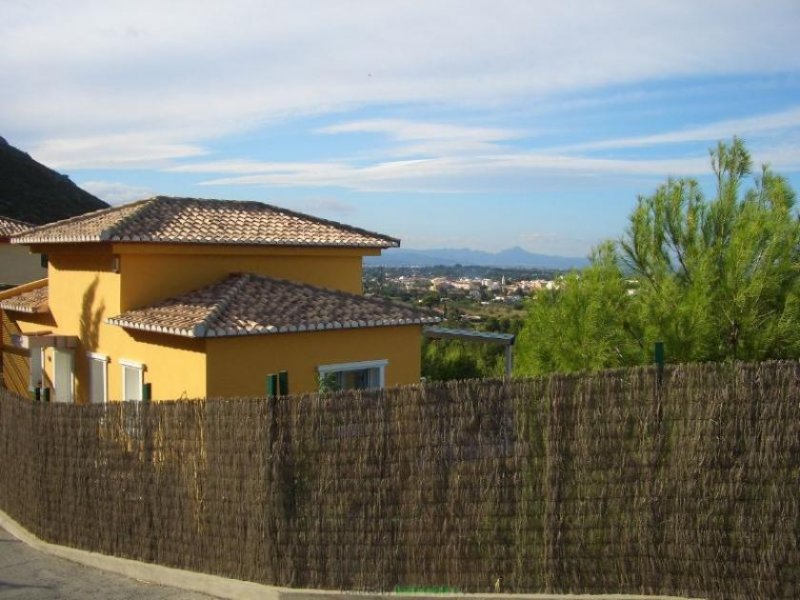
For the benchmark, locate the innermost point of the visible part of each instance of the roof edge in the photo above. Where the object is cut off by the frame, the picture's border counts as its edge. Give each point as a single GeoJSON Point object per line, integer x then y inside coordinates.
{"type": "Point", "coordinates": [201, 332]}
{"type": "Point", "coordinates": [21, 289]}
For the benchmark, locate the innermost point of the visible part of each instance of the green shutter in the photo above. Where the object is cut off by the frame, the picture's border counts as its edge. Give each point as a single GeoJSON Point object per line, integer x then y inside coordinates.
{"type": "Point", "coordinates": [272, 385]}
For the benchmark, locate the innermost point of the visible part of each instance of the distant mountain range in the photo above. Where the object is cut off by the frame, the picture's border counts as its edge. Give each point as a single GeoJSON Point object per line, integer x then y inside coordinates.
{"type": "Point", "coordinates": [33, 193]}
{"type": "Point", "coordinates": [513, 257]}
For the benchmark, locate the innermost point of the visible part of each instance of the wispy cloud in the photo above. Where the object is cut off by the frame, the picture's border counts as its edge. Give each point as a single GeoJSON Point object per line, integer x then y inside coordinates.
{"type": "Point", "coordinates": [244, 166]}
{"type": "Point", "coordinates": [134, 150]}
{"type": "Point", "coordinates": [443, 173]}
{"type": "Point", "coordinates": [425, 138]}
{"type": "Point", "coordinates": [751, 126]}
{"type": "Point", "coordinates": [547, 105]}
{"type": "Point", "coordinates": [194, 71]}
{"type": "Point", "coordinates": [116, 193]}
{"type": "Point", "coordinates": [428, 156]}
{"type": "Point", "coordinates": [324, 206]}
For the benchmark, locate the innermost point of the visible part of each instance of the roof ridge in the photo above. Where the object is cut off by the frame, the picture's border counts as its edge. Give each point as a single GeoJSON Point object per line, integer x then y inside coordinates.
{"type": "Point", "coordinates": [287, 211]}
{"type": "Point", "coordinates": [137, 208]}
{"type": "Point", "coordinates": [82, 217]}
{"type": "Point", "coordinates": [173, 219]}
{"type": "Point", "coordinates": [331, 222]}
{"type": "Point", "coordinates": [201, 328]}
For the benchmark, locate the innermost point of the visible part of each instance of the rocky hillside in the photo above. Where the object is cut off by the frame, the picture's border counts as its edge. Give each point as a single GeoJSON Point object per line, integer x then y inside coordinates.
{"type": "Point", "coordinates": [31, 192]}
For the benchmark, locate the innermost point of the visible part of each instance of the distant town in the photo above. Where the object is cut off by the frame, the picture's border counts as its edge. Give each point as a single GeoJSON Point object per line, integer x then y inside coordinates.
{"type": "Point", "coordinates": [467, 294]}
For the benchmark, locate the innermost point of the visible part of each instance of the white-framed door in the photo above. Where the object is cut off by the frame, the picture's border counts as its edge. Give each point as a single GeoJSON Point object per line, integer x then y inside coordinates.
{"type": "Point", "coordinates": [64, 379]}
{"type": "Point", "coordinates": [132, 380]}
{"type": "Point", "coordinates": [98, 378]}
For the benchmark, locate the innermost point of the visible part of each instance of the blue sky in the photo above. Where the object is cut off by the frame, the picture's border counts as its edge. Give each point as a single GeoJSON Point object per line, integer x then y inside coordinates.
{"type": "Point", "coordinates": [445, 123]}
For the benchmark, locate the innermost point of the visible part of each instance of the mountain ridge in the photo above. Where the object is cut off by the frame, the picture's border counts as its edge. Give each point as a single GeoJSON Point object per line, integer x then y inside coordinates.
{"type": "Point", "coordinates": [510, 257]}
{"type": "Point", "coordinates": [36, 194]}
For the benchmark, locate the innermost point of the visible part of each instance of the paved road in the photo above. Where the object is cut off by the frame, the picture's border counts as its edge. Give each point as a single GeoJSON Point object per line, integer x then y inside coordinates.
{"type": "Point", "coordinates": [27, 574]}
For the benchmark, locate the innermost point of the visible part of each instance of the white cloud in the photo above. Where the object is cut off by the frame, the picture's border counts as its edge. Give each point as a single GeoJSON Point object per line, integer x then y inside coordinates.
{"type": "Point", "coordinates": [244, 166]}
{"type": "Point", "coordinates": [443, 173]}
{"type": "Point", "coordinates": [323, 206]}
{"type": "Point", "coordinates": [407, 130]}
{"type": "Point", "coordinates": [190, 71]}
{"type": "Point", "coordinates": [453, 158]}
{"type": "Point", "coordinates": [134, 150]}
{"type": "Point", "coordinates": [115, 192]}
{"type": "Point", "coordinates": [429, 138]}
{"type": "Point", "coordinates": [721, 130]}
{"type": "Point", "coordinates": [469, 173]}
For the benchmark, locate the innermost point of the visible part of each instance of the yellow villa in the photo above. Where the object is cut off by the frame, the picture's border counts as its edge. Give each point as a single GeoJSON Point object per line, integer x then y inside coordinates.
{"type": "Point", "coordinates": [170, 298]}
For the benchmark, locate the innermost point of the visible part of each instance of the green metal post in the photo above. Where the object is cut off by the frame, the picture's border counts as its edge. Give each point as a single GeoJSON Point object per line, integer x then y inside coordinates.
{"type": "Point", "coordinates": [46, 394]}
{"type": "Point", "coordinates": [147, 392]}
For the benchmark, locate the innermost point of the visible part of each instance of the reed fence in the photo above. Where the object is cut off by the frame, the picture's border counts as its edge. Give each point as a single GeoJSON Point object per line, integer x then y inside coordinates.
{"type": "Point", "coordinates": [606, 483]}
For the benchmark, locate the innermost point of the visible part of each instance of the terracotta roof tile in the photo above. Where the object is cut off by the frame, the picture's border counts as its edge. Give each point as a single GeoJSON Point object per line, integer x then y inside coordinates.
{"type": "Point", "coordinates": [190, 220]}
{"type": "Point", "coordinates": [9, 227]}
{"type": "Point", "coordinates": [246, 304]}
{"type": "Point", "coordinates": [30, 301]}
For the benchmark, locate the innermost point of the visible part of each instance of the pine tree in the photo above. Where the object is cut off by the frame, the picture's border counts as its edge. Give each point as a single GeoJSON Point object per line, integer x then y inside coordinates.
{"type": "Point", "coordinates": [714, 279]}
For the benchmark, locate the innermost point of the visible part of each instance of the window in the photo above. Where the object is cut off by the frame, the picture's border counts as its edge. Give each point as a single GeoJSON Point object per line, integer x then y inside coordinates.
{"type": "Point", "coordinates": [98, 378]}
{"type": "Point", "coordinates": [353, 376]}
{"type": "Point", "coordinates": [132, 380]}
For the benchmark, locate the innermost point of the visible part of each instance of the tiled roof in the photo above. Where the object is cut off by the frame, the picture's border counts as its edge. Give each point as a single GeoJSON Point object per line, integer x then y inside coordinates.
{"type": "Point", "coordinates": [30, 301]}
{"type": "Point", "coordinates": [190, 220]}
{"type": "Point", "coordinates": [9, 227]}
{"type": "Point", "coordinates": [246, 304]}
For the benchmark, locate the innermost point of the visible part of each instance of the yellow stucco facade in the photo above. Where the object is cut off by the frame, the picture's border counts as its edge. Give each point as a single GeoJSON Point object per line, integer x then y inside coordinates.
{"type": "Point", "coordinates": [91, 282]}
{"type": "Point", "coordinates": [234, 360]}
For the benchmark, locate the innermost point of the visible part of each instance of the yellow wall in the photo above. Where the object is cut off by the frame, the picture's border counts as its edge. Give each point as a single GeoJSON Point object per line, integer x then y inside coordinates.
{"type": "Point", "coordinates": [83, 292]}
{"type": "Point", "coordinates": [238, 365]}
{"type": "Point", "coordinates": [153, 273]}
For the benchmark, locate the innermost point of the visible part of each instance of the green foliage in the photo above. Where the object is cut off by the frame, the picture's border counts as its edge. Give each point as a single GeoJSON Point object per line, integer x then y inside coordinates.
{"type": "Point", "coordinates": [584, 324]}
{"type": "Point", "coordinates": [445, 360]}
{"type": "Point", "coordinates": [714, 279]}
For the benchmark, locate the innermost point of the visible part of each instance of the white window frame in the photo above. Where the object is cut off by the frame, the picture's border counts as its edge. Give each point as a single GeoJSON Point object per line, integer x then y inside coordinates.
{"type": "Point", "coordinates": [100, 358]}
{"type": "Point", "coordinates": [132, 364]}
{"type": "Point", "coordinates": [324, 370]}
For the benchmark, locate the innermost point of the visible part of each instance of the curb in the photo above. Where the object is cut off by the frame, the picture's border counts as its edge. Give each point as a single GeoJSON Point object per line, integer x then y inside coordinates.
{"type": "Point", "coordinates": [235, 589]}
